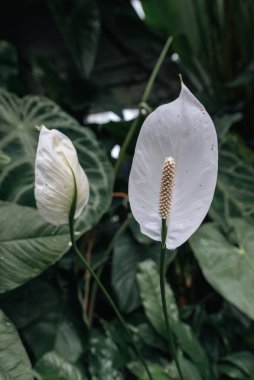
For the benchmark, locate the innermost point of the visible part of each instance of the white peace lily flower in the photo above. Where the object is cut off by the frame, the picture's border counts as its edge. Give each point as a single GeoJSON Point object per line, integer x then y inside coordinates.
{"type": "Point", "coordinates": [58, 175]}
{"type": "Point", "coordinates": [180, 135]}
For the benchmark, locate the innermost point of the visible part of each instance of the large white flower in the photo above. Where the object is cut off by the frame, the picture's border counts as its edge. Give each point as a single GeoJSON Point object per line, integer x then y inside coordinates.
{"type": "Point", "coordinates": [58, 175]}
{"type": "Point", "coordinates": [182, 131]}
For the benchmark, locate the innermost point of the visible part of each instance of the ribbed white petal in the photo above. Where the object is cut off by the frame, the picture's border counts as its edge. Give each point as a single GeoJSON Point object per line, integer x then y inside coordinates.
{"type": "Point", "coordinates": [56, 162]}
{"type": "Point", "coordinates": [184, 131]}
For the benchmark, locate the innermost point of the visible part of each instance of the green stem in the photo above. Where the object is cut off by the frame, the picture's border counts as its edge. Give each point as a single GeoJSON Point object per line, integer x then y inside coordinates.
{"type": "Point", "coordinates": [101, 286]}
{"type": "Point", "coordinates": [143, 101]}
{"type": "Point", "coordinates": [101, 265]}
{"type": "Point", "coordinates": [163, 297]}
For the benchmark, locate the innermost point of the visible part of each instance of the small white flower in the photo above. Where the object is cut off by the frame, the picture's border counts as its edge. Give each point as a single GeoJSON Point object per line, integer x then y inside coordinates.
{"type": "Point", "coordinates": [181, 131]}
{"type": "Point", "coordinates": [56, 170]}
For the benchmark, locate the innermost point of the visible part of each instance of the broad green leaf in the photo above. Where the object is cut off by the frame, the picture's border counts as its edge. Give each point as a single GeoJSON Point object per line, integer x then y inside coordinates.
{"type": "Point", "coordinates": [14, 362]}
{"type": "Point", "coordinates": [189, 371]}
{"type": "Point", "coordinates": [224, 122]}
{"type": "Point", "coordinates": [28, 244]}
{"type": "Point", "coordinates": [242, 362]}
{"type": "Point", "coordinates": [165, 371]}
{"type": "Point", "coordinates": [228, 268]}
{"type": "Point", "coordinates": [53, 367]}
{"type": "Point", "coordinates": [49, 317]}
{"type": "Point", "coordinates": [148, 280]}
{"type": "Point", "coordinates": [234, 195]}
{"type": "Point", "coordinates": [127, 255]}
{"type": "Point", "coordinates": [149, 285]}
{"type": "Point", "coordinates": [80, 26]}
{"type": "Point", "coordinates": [103, 358]}
{"type": "Point", "coordinates": [158, 371]}
{"type": "Point", "coordinates": [231, 371]}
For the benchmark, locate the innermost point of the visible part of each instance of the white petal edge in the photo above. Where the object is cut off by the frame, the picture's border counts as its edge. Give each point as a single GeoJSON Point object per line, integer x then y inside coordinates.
{"type": "Point", "coordinates": [55, 164]}
{"type": "Point", "coordinates": [183, 130]}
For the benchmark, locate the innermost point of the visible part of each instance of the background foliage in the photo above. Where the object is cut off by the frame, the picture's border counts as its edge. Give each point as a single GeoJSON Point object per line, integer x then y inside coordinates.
{"type": "Point", "coordinates": [61, 61]}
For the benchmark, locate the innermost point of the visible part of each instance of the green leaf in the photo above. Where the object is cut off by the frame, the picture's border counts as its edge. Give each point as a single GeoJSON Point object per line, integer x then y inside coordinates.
{"type": "Point", "coordinates": [234, 195]}
{"type": "Point", "coordinates": [80, 25]}
{"type": "Point", "coordinates": [53, 367]}
{"type": "Point", "coordinates": [149, 285]}
{"type": "Point", "coordinates": [14, 362]}
{"type": "Point", "coordinates": [190, 372]}
{"type": "Point", "coordinates": [158, 371]}
{"type": "Point", "coordinates": [148, 280]}
{"type": "Point", "coordinates": [231, 371]}
{"type": "Point", "coordinates": [103, 363]}
{"type": "Point", "coordinates": [238, 362]}
{"type": "Point", "coordinates": [228, 268]}
{"type": "Point", "coordinates": [49, 317]}
{"type": "Point", "coordinates": [127, 255]}
{"type": "Point", "coordinates": [28, 244]}
{"type": "Point", "coordinates": [224, 122]}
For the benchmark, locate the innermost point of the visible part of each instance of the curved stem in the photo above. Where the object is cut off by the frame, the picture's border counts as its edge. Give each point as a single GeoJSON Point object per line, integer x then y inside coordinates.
{"type": "Point", "coordinates": [143, 101]}
{"type": "Point", "coordinates": [163, 297]}
{"type": "Point", "coordinates": [105, 292]}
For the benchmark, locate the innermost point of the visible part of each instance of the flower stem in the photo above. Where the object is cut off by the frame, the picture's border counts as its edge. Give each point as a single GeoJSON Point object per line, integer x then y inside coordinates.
{"type": "Point", "coordinates": [108, 297]}
{"type": "Point", "coordinates": [163, 297]}
{"type": "Point", "coordinates": [142, 103]}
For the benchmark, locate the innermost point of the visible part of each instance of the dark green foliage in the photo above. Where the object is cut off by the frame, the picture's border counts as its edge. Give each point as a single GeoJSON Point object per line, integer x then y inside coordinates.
{"type": "Point", "coordinates": [59, 62]}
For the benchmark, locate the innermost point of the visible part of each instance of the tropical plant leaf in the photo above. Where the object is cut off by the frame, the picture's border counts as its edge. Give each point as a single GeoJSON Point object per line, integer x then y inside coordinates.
{"type": "Point", "coordinates": [234, 195]}
{"type": "Point", "coordinates": [148, 280]}
{"type": "Point", "coordinates": [53, 367]}
{"type": "Point", "coordinates": [14, 362]}
{"type": "Point", "coordinates": [28, 244]}
{"type": "Point", "coordinates": [127, 255]}
{"type": "Point", "coordinates": [80, 26]}
{"type": "Point", "coordinates": [104, 354]}
{"type": "Point", "coordinates": [227, 267]}
{"type": "Point", "coordinates": [158, 371]}
{"type": "Point", "coordinates": [18, 139]}
{"type": "Point", "coordinates": [49, 317]}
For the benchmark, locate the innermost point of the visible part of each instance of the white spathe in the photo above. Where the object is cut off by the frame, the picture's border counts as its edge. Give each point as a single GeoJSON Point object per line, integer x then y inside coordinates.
{"type": "Point", "coordinates": [55, 165]}
{"type": "Point", "coordinates": [184, 131]}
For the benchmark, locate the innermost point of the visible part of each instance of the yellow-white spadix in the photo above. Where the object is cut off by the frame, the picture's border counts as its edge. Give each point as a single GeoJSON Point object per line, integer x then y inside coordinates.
{"type": "Point", "coordinates": [179, 140]}
{"type": "Point", "coordinates": [58, 175]}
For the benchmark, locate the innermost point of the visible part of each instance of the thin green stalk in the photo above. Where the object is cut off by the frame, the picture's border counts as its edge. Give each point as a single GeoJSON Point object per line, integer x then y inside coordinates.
{"type": "Point", "coordinates": [101, 286]}
{"type": "Point", "coordinates": [101, 267]}
{"type": "Point", "coordinates": [143, 101]}
{"type": "Point", "coordinates": [163, 297]}
{"type": "Point", "coordinates": [108, 297]}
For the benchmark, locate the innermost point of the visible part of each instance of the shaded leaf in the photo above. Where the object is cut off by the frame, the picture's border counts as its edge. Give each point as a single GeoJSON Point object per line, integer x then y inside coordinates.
{"type": "Point", "coordinates": [14, 362]}
{"type": "Point", "coordinates": [80, 25]}
{"type": "Point", "coordinates": [158, 371]}
{"type": "Point", "coordinates": [53, 367]}
{"type": "Point", "coordinates": [227, 267]}
{"type": "Point", "coordinates": [148, 280]}
{"type": "Point", "coordinates": [103, 364]}
{"type": "Point", "coordinates": [29, 246]}
{"type": "Point", "coordinates": [127, 255]}
{"type": "Point", "coordinates": [234, 195]}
